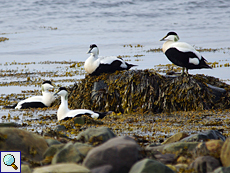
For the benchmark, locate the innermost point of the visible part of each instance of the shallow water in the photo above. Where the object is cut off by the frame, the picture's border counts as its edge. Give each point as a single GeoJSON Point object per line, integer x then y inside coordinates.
{"type": "Point", "coordinates": [57, 31]}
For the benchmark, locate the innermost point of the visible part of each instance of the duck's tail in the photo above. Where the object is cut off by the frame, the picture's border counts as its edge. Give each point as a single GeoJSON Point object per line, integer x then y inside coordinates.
{"type": "Point", "coordinates": [103, 114]}
{"type": "Point", "coordinates": [130, 65]}
{"type": "Point", "coordinates": [10, 107]}
{"type": "Point", "coordinates": [203, 63]}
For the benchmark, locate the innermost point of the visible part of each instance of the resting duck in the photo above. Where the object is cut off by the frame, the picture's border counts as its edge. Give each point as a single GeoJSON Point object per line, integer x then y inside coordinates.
{"type": "Point", "coordinates": [65, 113]}
{"type": "Point", "coordinates": [45, 100]}
{"type": "Point", "coordinates": [95, 65]}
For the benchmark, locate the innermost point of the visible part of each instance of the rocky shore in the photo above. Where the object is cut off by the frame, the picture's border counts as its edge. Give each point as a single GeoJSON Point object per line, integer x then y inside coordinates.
{"type": "Point", "coordinates": [100, 150]}
{"type": "Point", "coordinates": [159, 124]}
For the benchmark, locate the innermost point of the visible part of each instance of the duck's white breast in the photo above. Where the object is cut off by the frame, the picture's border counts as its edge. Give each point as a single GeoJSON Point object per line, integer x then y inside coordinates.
{"type": "Point", "coordinates": [91, 64]}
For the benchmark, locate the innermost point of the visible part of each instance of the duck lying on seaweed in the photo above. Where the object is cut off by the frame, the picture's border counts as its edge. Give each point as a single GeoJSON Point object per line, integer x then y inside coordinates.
{"type": "Point", "coordinates": [45, 100]}
{"type": "Point", "coordinates": [95, 65]}
{"type": "Point", "coordinates": [65, 113]}
{"type": "Point", "coordinates": [182, 54]}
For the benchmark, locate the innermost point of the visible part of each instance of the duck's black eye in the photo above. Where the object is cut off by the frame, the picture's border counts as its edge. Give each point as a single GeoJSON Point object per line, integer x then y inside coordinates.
{"type": "Point", "coordinates": [92, 46]}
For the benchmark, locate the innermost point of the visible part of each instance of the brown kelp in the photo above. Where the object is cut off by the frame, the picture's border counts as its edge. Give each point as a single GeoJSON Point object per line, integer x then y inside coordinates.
{"type": "Point", "coordinates": [148, 91]}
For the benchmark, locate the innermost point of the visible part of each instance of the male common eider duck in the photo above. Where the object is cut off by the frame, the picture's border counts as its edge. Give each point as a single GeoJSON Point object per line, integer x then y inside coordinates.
{"type": "Point", "coordinates": [95, 65]}
{"type": "Point", "coordinates": [182, 54]}
{"type": "Point", "coordinates": [45, 100]}
{"type": "Point", "coordinates": [65, 113]}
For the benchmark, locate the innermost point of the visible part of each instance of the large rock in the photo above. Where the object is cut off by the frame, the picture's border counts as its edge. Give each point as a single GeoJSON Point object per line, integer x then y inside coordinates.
{"type": "Point", "coordinates": [102, 169]}
{"type": "Point", "coordinates": [32, 146]}
{"type": "Point", "coordinates": [165, 158]}
{"type": "Point", "coordinates": [181, 166]}
{"type": "Point", "coordinates": [10, 124]}
{"type": "Point", "coordinates": [96, 135]}
{"type": "Point", "coordinates": [222, 170]}
{"type": "Point", "coordinates": [62, 167]}
{"type": "Point", "coordinates": [71, 153]}
{"type": "Point", "coordinates": [225, 153]}
{"type": "Point", "coordinates": [120, 152]}
{"type": "Point", "coordinates": [209, 148]}
{"type": "Point", "coordinates": [175, 138]}
{"type": "Point", "coordinates": [204, 136]}
{"type": "Point", "coordinates": [150, 166]}
{"type": "Point", "coordinates": [204, 164]}
{"type": "Point", "coordinates": [52, 142]}
{"type": "Point", "coordinates": [200, 150]}
{"type": "Point", "coordinates": [180, 147]}
{"type": "Point", "coordinates": [25, 168]}
{"type": "Point", "coordinates": [155, 148]}
{"type": "Point", "coordinates": [214, 147]}
{"type": "Point", "coordinates": [52, 150]}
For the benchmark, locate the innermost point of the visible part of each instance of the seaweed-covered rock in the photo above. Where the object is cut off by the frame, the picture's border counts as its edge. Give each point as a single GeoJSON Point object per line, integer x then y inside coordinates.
{"type": "Point", "coordinates": [148, 166]}
{"type": "Point", "coordinates": [96, 135]}
{"type": "Point", "coordinates": [119, 152]}
{"type": "Point", "coordinates": [185, 93]}
{"type": "Point", "coordinates": [148, 91]}
{"type": "Point", "coordinates": [32, 146]}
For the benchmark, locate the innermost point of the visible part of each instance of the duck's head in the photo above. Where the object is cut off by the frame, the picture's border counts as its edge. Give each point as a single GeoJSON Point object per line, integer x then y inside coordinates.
{"type": "Point", "coordinates": [47, 85]}
{"type": "Point", "coordinates": [93, 49]}
{"type": "Point", "coordinates": [171, 36]}
{"type": "Point", "coordinates": [62, 92]}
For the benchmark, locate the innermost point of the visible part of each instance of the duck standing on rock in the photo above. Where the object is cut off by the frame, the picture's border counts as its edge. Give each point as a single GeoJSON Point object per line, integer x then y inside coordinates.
{"type": "Point", "coordinates": [65, 113]}
{"type": "Point", "coordinates": [182, 54]}
{"type": "Point", "coordinates": [95, 65]}
{"type": "Point", "coordinates": [45, 100]}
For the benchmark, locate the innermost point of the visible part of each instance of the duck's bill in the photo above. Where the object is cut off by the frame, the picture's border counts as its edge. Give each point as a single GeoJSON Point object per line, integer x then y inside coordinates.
{"type": "Point", "coordinates": [56, 93]}
{"type": "Point", "coordinates": [163, 39]}
{"type": "Point", "coordinates": [89, 51]}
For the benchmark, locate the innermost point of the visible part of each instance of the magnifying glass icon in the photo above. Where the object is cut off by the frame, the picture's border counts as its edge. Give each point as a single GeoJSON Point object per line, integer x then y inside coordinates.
{"type": "Point", "coordinates": [9, 160]}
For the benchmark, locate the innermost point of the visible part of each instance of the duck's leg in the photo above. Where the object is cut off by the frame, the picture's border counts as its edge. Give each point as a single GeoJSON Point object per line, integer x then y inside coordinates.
{"type": "Point", "coordinates": [182, 74]}
{"type": "Point", "coordinates": [186, 71]}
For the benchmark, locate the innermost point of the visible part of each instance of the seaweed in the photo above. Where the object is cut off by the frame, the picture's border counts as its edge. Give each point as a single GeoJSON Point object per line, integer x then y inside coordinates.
{"type": "Point", "coordinates": [146, 91]}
